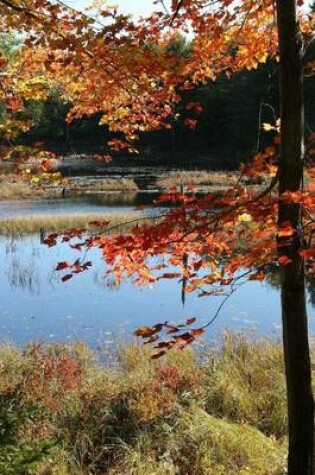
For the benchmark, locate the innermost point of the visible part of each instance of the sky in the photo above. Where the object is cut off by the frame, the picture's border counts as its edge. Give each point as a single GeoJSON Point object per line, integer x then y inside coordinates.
{"type": "Point", "coordinates": [136, 7]}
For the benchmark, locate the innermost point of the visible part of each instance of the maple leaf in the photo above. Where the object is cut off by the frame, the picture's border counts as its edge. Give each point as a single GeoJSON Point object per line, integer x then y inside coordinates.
{"type": "Point", "coordinates": [144, 332]}
{"type": "Point", "coordinates": [284, 260]}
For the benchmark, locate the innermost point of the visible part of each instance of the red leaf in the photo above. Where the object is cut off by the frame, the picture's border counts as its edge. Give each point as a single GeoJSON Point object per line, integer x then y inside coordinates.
{"type": "Point", "coordinates": [170, 275]}
{"type": "Point", "coordinates": [171, 328]}
{"type": "Point", "coordinates": [158, 355]}
{"type": "Point", "coordinates": [67, 277]}
{"type": "Point", "coordinates": [190, 321]}
{"type": "Point", "coordinates": [50, 242]}
{"type": "Point", "coordinates": [284, 260]}
{"type": "Point", "coordinates": [46, 165]}
{"type": "Point", "coordinates": [62, 266]}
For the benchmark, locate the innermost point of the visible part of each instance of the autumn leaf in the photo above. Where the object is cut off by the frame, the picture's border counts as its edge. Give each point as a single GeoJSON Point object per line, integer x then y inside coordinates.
{"type": "Point", "coordinates": [197, 332]}
{"type": "Point", "coordinates": [158, 355]}
{"type": "Point", "coordinates": [144, 332]}
{"type": "Point", "coordinates": [284, 260]}
{"type": "Point", "coordinates": [190, 320]}
{"type": "Point", "coordinates": [170, 275]}
{"type": "Point", "coordinates": [46, 165]}
{"type": "Point", "coordinates": [259, 276]}
{"type": "Point", "coordinates": [62, 266]}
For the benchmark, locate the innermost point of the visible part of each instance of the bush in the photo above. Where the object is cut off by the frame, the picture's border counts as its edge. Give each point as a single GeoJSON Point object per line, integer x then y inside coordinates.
{"type": "Point", "coordinates": [62, 412]}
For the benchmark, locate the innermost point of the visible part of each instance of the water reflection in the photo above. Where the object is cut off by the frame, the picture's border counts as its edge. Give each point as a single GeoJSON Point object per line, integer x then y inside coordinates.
{"type": "Point", "coordinates": [274, 280]}
{"type": "Point", "coordinates": [36, 305]}
{"type": "Point", "coordinates": [83, 204]}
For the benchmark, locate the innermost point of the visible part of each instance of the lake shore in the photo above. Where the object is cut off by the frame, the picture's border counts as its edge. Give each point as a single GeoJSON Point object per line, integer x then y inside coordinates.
{"type": "Point", "coordinates": [12, 187]}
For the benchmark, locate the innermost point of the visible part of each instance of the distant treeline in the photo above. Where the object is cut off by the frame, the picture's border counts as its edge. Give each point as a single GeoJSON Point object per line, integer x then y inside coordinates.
{"type": "Point", "coordinates": [233, 111]}
{"type": "Point", "coordinates": [229, 126]}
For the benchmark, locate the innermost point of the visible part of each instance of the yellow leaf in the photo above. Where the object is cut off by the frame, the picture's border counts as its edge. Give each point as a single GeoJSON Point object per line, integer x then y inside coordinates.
{"type": "Point", "coordinates": [267, 127]}
{"type": "Point", "coordinates": [244, 218]}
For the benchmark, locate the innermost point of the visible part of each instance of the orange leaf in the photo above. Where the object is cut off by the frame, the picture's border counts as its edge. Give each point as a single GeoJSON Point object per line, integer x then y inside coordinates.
{"type": "Point", "coordinates": [144, 332]}
{"type": "Point", "coordinates": [197, 332]}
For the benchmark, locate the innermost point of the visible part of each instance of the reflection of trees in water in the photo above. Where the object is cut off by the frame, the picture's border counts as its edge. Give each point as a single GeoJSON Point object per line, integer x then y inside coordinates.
{"type": "Point", "coordinates": [23, 270]}
{"type": "Point", "coordinates": [110, 199]}
{"type": "Point", "coordinates": [23, 275]}
{"type": "Point", "coordinates": [105, 282]}
{"type": "Point", "coordinates": [273, 279]}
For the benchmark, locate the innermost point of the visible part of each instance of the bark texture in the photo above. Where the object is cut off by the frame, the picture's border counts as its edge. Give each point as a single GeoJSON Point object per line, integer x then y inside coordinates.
{"type": "Point", "coordinates": [294, 314]}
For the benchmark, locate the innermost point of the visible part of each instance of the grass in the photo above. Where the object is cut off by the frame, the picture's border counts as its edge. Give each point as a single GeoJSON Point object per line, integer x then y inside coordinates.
{"type": "Point", "coordinates": [12, 187]}
{"type": "Point", "coordinates": [106, 184]}
{"type": "Point", "coordinates": [197, 178]}
{"type": "Point", "coordinates": [219, 412]}
{"type": "Point", "coordinates": [49, 223]}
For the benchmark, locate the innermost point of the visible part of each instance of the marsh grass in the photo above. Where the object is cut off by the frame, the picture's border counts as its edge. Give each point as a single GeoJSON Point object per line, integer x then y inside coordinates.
{"type": "Point", "coordinates": [54, 223]}
{"type": "Point", "coordinates": [13, 187]}
{"type": "Point", "coordinates": [198, 178]}
{"type": "Point", "coordinates": [106, 185]}
{"type": "Point", "coordinates": [222, 414]}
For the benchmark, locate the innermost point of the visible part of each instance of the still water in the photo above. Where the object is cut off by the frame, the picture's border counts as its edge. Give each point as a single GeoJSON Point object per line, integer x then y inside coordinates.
{"type": "Point", "coordinates": [36, 305]}
{"type": "Point", "coordinates": [86, 204]}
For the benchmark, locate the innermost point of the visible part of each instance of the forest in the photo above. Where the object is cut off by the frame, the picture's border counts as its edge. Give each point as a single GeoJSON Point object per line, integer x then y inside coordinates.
{"type": "Point", "coordinates": [233, 110]}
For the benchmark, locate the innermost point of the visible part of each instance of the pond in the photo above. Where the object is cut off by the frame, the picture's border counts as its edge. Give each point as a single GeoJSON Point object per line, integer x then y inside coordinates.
{"type": "Point", "coordinates": [36, 305]}
{"type": "Point", "coordinates": [119, 202]}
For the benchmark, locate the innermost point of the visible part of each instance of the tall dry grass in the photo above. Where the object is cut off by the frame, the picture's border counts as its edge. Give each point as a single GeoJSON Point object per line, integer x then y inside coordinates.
{"type": "Point", "coordinates": [197, 178]}
{"type": "Point", "coordinates": [53, 223]}
{"type": "Point", "coordinates": [13, 187]}
{"type": "Point", "coordinates": [106, 184]}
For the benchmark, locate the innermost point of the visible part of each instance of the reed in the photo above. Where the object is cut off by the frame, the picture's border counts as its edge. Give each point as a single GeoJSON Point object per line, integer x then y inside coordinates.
{"type": "Point", "coordinates": [198, 178]}
{"type": "Point", "coordinates": [106, 184]}
{"type": "Point", "coordinates": [53, 223]}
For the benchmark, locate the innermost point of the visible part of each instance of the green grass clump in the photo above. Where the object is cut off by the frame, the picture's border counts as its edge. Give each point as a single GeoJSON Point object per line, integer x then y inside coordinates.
{"type": "Point", "coordinates": [220, 412]}
{"type": "Point", "coordinates": [248, 384]}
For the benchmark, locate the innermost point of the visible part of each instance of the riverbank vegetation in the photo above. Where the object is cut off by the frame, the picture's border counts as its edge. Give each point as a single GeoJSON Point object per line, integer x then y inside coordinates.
{"type": "Point", "coordinates": [54, 223]}
{"type": "Point", "coordinates": [208, 412]}
{"type": "Point", "coordinates": [13, 188]}
{"type": "Point", "coordinates": [105, 185]}
{"type": "Point", "coordinates": [197, 178]}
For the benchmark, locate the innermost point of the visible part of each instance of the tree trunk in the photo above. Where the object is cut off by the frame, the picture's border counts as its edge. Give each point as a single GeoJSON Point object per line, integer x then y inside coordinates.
{"type": "Point", "coordinates": [294, 315]}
